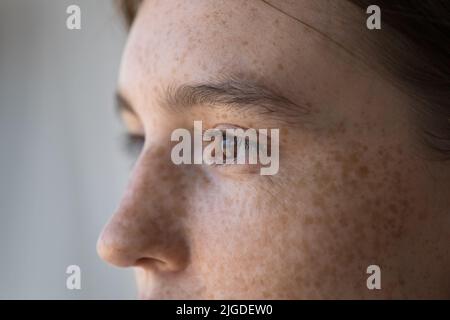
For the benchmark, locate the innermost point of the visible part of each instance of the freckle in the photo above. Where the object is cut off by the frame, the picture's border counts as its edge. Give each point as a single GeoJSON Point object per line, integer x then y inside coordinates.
{"type": "Point", "coordinates": [206, 180]}
{"type": "Point", "coordinates": [244, 43]}
{"type": "Point", "coordinates": [393, 208]}
{"type": "Point", "coordinates": [277, 22]}
{"type": "Point", "coordinates": [353, 184]}
{"type": "Point", "coordinates": [350, 257]}
{"type": "Point", "coordinates": [354, 158]}
{"type": "Point", "coordinates": [318, 166]}
{"type": "Point", "coordinates": [318, 200]}
{"type": "Point", "coordinates": [317, 284]}
{"type": "Point", "coordinates": [341, 127]}
{"type": "Point", "coordinates": [343, 221]}
{"type": "Point", "coordinates": [422, 215]}
{"type": "Point", "coordinates": [363, 171]}
{"type": "Point", "coordinates": [305, 246]}
{"type": "Point", "coordinates": [280, 66]}
{"type": "Point", "coordinates": [308, 220]}
{"type": "Point", "coordinates": [284, 219]}
{"type": "Point", "coordinates": [338, 157]}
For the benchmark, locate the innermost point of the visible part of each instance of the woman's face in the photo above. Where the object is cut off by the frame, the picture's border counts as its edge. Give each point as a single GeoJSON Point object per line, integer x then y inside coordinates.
{"type": "Point", "coordinates": [352, 189]}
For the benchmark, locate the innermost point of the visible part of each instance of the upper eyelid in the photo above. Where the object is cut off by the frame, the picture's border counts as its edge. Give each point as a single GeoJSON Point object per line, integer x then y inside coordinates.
{"type": "Point", "coordinates": [132, 124]}
{"type": "Point", "coordinates": [224, 126]}
{"type": "Point", "coordinates": [256, 141]}
{"type": "Point", "coordinates": [257, 131]}
{"type": "Point", "coordinates": [122, 104]}
{"type": "Point", "coordinates": [224, 129]}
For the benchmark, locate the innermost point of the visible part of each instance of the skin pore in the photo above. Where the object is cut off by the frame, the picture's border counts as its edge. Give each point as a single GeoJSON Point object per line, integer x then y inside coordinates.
{"type": "Point", "coordinates": [353, 187]}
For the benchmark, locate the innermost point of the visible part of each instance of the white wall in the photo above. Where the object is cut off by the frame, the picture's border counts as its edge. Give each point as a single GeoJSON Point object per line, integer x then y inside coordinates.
{"type": "Point", "coordinates": [62, 170]}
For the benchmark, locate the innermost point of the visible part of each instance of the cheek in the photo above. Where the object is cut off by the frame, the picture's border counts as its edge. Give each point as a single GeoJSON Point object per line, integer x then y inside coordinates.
{"type": "Point", "coordinates": [372, 192]}
{"type": "Point", "coordinates": [313, 232]}
{"type": "Point", "coordinates": [351, 205]}
{"type": "Point", "coordinates": [237, 239]}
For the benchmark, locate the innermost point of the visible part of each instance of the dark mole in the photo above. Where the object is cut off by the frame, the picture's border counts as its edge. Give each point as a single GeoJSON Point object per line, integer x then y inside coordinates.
{"type": "Point", "coordinates": [307, 220]}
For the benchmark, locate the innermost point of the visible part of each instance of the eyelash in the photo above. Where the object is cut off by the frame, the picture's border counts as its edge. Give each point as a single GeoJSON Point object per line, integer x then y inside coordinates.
{"type": "Point", "coordinates": [237, 143]}
{"type": "Point", "coordinates": [133, 144]}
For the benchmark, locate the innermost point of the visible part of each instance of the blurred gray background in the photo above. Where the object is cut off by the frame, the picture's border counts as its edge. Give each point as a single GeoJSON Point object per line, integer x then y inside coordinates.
{"type": "Point", "coordinates": [62, 169]}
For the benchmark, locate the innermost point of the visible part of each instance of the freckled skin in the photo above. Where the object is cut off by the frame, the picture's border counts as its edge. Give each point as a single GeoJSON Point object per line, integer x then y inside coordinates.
{"type": "Point", "coordinates": [353, 189]}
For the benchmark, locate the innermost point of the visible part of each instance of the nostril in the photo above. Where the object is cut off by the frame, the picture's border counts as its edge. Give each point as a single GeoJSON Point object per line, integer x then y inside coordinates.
{"type": "Point", "coordinates": [150, 263]}
{"type": "Point", "coordinates": [156, 265]}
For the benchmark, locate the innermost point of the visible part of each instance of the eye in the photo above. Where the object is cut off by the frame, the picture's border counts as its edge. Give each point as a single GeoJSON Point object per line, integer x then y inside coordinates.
{"type": "Point", "coordinates": [133, 144]}
{"type": "Point", "coordinates": [231, 144]}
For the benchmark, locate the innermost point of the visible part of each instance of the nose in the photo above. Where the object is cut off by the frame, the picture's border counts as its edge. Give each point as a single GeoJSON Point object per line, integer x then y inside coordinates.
{"type": "Point", "coordinates": [147, 230]}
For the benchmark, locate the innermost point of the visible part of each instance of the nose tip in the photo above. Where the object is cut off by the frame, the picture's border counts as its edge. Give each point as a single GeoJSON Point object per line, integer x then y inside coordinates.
{"type": "Point", "coordinates": [123, 247]}
{"type": "Point", "coordinates": [114, 254]}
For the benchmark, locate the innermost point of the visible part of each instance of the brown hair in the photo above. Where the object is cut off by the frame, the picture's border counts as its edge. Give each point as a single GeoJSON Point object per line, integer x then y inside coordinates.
{"type": "Point", "coordinates": [418, 57]}
{"type": "Point", "coordinates": [417, 53]}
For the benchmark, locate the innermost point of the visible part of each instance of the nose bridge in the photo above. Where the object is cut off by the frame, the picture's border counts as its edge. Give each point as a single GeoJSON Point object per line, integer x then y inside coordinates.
{"type": "Point", "coordinates": [147, 229]}
{"type": "Point", "coordinates": [156, 181]}
{"type": "Point", "coordinates": [154, 190]}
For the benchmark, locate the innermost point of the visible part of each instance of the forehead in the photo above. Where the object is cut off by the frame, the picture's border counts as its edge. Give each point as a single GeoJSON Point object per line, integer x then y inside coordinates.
{"type": "Point", "coordinates": [273, 42]}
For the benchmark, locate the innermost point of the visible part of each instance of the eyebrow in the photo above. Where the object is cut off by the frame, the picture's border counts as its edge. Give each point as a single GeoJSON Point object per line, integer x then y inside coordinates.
{"type": "Point", "coordinates": [230, 92]}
